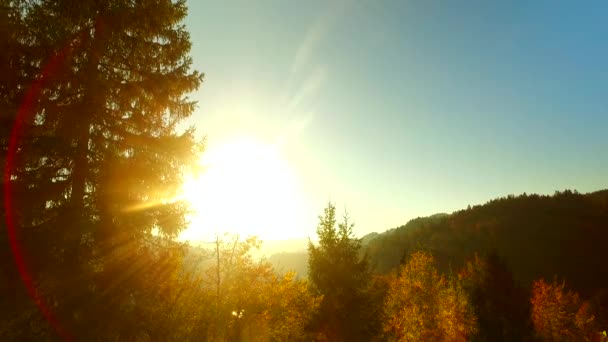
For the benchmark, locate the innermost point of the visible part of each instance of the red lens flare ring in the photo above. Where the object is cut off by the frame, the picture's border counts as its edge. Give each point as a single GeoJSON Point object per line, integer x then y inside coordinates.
{"type": "Point", "coordinates": [26, 112]}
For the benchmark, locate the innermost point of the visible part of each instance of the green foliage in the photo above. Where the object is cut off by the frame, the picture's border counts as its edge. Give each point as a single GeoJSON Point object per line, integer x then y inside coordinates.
{"type": "Point", "coordinates": [337, 271]}
{"type": "Point", "coordinates": [96, 162]}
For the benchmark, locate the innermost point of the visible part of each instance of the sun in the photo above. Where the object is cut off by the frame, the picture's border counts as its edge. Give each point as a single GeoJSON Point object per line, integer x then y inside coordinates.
{"type": "Point", "coordinates": [246, 188]}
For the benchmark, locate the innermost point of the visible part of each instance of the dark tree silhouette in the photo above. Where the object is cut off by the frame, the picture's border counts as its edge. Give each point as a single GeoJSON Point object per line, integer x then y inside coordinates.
{"type": "Point", "coordinates": [501, 306]}
{"type": "Point", "coordinates": [338, 272]}
{"type": "Point", "coordinates": [537, 236]}
{"type": "Point", "coordinates": [94, 98]}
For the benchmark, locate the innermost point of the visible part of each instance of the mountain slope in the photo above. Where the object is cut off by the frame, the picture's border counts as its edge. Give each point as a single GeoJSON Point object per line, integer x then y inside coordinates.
{"type": "Point", "coordinates": [564, 235]}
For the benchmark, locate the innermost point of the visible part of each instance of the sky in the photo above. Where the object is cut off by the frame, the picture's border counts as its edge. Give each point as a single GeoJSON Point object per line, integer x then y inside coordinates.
{"type": "Point", "coordinates": [400, 109]}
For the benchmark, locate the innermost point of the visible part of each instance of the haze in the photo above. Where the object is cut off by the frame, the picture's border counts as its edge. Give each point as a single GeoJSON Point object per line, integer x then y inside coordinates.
{"type": "Point", "coordinates": [401, 109]}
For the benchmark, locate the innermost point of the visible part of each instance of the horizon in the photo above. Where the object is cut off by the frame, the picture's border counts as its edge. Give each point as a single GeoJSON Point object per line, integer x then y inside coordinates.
{"type": "Point", "coordinates": [304, 239]}
{"type": "Point", "coordinates": [398, 110]}
{"type": "Point", "coordinates": [331, 170]}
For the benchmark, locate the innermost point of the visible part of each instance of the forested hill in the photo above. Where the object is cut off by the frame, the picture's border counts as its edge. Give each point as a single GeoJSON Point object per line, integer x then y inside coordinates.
{"type": "Point", "coordinates": [563, 236]}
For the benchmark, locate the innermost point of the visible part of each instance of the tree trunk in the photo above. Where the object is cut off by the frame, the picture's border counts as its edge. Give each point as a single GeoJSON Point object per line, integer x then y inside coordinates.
{"type": "Point", "coordinates": [90, 105]}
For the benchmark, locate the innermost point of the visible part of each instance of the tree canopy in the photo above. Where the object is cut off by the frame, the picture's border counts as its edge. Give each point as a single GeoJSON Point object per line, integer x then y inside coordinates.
{"type": "Point", "coordinates": [339, 273]}
{"type": "Point", "coordinates": [93, 96]}
{"type": "Point", "coordinates": [535, 236]}
{"type": "Point", "coordinates": [96, 91]}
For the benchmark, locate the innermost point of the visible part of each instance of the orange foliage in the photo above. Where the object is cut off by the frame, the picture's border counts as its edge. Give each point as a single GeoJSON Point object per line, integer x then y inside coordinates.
{"type": "Point", "coordinates": [422, 305]}
{"type": "Point", "coordinates": [558, 314]}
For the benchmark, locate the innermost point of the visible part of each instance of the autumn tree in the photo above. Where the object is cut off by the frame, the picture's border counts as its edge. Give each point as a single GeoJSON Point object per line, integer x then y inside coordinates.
{"type": "Point", "coordinates": [422, 305]}
{"type": "Point", "coordinates": [94, 155]}
{"type": "Point", "coordinates": [241, 298]}
{"type": "Point", "coordinates": [341, 275]}
{"type": "Point", "coordinates": [559, 314]}
{"type": "Point", "coordinates": [289, 307]}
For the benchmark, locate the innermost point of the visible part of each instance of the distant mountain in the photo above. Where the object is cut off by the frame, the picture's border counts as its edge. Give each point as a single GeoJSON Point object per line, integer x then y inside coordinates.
{"type": "Point", "coordinates": [270, 247]}
{"type": "Point", "coordinates": [297, 260]}
{"type": "Point", "coordinates": [284, 255]}
{"type": "Point", "coordinates": [290, 261]}
{"type": "Point", "coordinates": [564, 235]}
{"type": "Point", "coordinates": [369, 237]}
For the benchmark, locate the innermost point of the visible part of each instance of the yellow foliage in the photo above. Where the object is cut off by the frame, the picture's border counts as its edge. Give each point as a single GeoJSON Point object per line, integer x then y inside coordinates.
{"type": "Point", "coordinates": [558, 314]}
{"type": "Point", "coordinates": [422, 305]}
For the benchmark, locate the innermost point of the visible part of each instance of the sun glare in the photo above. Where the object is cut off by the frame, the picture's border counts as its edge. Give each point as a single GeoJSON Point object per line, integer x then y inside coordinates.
{"type": "Point", "coordinates": [247, 188]}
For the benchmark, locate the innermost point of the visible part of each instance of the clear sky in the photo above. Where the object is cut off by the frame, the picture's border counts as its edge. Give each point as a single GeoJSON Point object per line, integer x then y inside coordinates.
{"type": "Point", "coordinates": [399, 109]}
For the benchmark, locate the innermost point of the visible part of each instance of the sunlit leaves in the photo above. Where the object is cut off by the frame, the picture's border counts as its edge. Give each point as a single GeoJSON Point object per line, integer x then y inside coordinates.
{"type": "Point", "coordinates": [559, 314]}
{"type": "Point", "coordinates": [422, 305]}
{"type": "Point", "coordinates": [290, 308]}
{"type": "Point", "coordinates": [247, 301]}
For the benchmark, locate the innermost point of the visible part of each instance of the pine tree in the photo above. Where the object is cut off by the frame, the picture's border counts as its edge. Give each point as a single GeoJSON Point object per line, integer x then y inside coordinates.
{"type": "Point", "coordinates": [97, 156]}
{"type": "Point", "coordinates": [339, 273]}
{"type": "Point", "coordinates": [501, 306]}
{"type": "Point", "coordinates": [15, 75]}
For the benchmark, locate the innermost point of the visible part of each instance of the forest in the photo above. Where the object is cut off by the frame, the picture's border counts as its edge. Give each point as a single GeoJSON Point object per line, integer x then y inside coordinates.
{"type": "Point", "coordinates": [92, 96]}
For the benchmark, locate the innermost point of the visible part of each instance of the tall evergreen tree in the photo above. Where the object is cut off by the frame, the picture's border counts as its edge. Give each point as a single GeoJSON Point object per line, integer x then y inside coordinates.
{"type": "Point", "coordinates": [96, 155]}
{"type": "Point", "coordinates": [15, 75]}
{"type": "Point", "coordinates": [500, 304]}
{"type": "Point", "coordinates": [339, 273]}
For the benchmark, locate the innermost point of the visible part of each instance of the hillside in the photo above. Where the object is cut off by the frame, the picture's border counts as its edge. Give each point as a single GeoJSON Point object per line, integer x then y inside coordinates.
{"type": "Point", "coordinates": [537, 236]}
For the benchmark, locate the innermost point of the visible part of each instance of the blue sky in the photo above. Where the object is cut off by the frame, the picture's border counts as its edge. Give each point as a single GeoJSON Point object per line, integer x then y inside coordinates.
{"type": "Point", "coordinates": [399, 109]}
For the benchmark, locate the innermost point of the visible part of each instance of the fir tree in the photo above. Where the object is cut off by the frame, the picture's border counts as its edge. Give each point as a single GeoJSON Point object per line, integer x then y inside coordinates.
{"type": "Point", "coordinates": [97, 155]}
{"type": "Point", "coordinates": [339, 273]}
